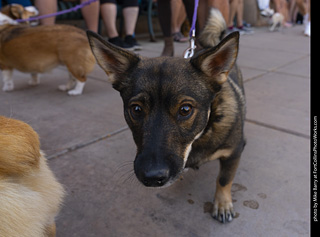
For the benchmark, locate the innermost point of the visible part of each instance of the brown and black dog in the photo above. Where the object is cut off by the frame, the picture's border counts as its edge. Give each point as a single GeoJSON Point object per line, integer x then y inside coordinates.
{"type": "Point", "coordinates": [182, 112]}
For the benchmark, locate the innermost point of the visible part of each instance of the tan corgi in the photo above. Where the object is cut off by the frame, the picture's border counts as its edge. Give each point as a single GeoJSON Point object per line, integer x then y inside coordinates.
{"type": "Point", "coordinates": [30, 195]}
{"type": "Point", "coordinates": [40, 49]}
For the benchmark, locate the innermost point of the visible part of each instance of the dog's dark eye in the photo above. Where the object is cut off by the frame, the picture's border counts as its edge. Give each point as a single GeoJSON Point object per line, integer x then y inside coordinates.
{"type": "Point", "coordinates": [136, 110]}
{"type": "Point", "coordinates": [185, 110]}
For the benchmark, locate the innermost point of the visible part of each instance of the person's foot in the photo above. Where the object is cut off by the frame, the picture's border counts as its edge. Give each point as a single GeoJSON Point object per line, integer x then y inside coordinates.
{"type": "Point", "coordinates": [120, 43]}
{"type": "Point", "coordinates": [287, 24]}
{"type": "Point", "coordinates": [231, 29]}
{"type": "Point", "coordinates": [179, 37]}
{"type": "Point", "coordinates": [267, 12]}
{"type": "Point", "coordinates": [131, 41]}
{"type": "Point", "coordinates": [307, 29]}
{"type": "Point", "coordinates": [244, 30]}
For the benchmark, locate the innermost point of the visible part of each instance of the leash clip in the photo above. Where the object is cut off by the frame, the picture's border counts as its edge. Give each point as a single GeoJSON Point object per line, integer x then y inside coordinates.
{"type": "Point", "coordinates": [189, 52]}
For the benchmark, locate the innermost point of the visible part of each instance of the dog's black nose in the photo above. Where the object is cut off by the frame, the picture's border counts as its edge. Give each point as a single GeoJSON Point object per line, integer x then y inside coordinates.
{"type": "Point", "coordinates": [155, 178]}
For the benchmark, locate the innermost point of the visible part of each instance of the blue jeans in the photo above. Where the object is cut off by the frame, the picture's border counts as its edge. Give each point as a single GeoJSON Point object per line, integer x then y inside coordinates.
{"type": "Point", "coordinates": [24, 3]}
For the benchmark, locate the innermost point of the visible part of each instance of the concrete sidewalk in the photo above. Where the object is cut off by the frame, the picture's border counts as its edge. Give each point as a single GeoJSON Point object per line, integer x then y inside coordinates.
{"type": "Point", "coordinates": [91, 151]}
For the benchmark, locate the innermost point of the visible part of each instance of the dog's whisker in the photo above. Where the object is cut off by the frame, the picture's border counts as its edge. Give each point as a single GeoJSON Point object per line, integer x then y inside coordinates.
{"type": "Point", "coordinates": [124, 173]}
{"type": "Point", "coordinates": [126, 176]}
{"type": "Point", "coordinates": [124, 165]}
{"type": "Point", "coordinates": [130, 178]}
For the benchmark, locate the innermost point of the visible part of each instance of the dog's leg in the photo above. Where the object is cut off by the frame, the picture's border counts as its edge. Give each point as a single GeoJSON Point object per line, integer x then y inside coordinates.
{"type": "Point", "coordinates": [70, 84]}
{"type": "Point", "coordinates": [78, 89]}
{"type": "Point", "coordinates": [8, 84]}
{"type": "Point", "coordinates": [35, 79]}
{"type": "Point", "coordinates": [272, 28]}
{"type": "Point", "coordinates": [223, 207]}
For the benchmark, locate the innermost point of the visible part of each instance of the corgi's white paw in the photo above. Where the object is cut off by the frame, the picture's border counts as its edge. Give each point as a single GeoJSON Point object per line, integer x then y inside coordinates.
{"type": "Point", "coordinates": [8, 86]}
{"type": "Point", "coordinates": [63, 87]}
{"type": "Point", "coordinates": [78, 89]}
{"type": "Point", "coordinates": [74, 92]}
{"type": "Point", "coordinates": [35, 79]}
{"type": "Point", "coordinates": [33, 82]}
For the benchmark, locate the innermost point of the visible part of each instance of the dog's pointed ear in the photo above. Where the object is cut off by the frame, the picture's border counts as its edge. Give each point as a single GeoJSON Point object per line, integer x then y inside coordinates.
{"type": "Point", "coordinates": [216, 62]}
{"type": "Point", "coordinates": [16, 10]}
{"type": "Point", "coordinates": [112, 59]}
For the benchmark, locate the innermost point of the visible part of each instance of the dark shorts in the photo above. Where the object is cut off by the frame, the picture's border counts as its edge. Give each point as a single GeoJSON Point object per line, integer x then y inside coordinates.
{"type": "Point", "coordinates": [122, 3]}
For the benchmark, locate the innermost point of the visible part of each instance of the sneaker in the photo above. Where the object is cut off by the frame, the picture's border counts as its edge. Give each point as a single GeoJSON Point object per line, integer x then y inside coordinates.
{"type": "Point", "coordinates": [231, 29]}
{"type": "Point", "coordinates": [179, 37]}
{"type": "Point", "coordinates": [117, 41]}
{"type": "Point", "coordinates": [131, 41]}
{"type": "Point", "coordinates": [244, 30]}
{"type": "Point", "coordinates": [267, 12]}
{"type": "Point", "coordinates": [307, 30]}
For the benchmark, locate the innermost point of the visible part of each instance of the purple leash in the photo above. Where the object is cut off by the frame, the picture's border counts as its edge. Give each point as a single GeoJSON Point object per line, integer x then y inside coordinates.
{"type": "Point", "coordinates": [190, 51]}
{"type": "Point", "coordinates": [73, 9]}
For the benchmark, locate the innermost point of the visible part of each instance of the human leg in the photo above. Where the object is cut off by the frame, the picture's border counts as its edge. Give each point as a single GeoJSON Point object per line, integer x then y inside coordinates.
{"type": "Point", "coordinates": [178, 17]}
{"type": "Point", "coordinates": [130, 11]}
{"type": "Point", "coordinates": [232, 12]}
{"type": "Point", "coordinates": [46, 7]}
{"type": "Point", "coordinates": [90, 14]}
{"type": "Point", "coordinates": [130, 15]}
{"type": "Point", "coordinates": [164, 14]}
{"type": "Point", "coordinates": [223, 6]}
{"type": "Point", "coordinates": [109, 16]}
{"type": "Point", "coordinates": [240, 14]}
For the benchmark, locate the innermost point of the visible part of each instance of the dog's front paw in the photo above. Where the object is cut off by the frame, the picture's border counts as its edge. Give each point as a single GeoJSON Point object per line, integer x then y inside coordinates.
{"type": "Point", "coordinates": [8, 86]}
{"type": "Point", "coordinates": [78, 89]}
{"type": "Point", "coordinates": [223, 211]}
{"type": "Point", "coordinates": [35, 79]}
{"type": "Point", "coordinates": [63, 87]}
{"type": "Point", "coordinates": [33, 82]}
{"type": "Point", "coordinates": [74, 92]}
{"type": "Point", "coordinates": [223, 207]}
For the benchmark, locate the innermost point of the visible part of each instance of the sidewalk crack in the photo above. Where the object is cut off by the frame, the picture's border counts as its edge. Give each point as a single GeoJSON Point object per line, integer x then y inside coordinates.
{"type": "Point", "coordinates": [86, 143]}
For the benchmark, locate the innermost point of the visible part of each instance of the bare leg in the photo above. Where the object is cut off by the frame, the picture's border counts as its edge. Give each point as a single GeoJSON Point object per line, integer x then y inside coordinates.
{"type": "Point", "coordinates": [130, 19]}
{"type": "Point", "coordinates": [90, 14]}
{"type": "Point", "coordinates": [240, 13]}
{"type": "Point", "coordinates": [178, 15]}
{"type": "Point", "coordinates": [233, 11]}
{"type": "Point", "coordinates": [281, 7]}
{"type": "Point", "coordinates": [302, 7]}
{"type": "Point", "coordinates": [109, 16]}
{"type": "Point", "coordinates": [46, 7]}
{"type": "Point", "coordinates": [223, 6]}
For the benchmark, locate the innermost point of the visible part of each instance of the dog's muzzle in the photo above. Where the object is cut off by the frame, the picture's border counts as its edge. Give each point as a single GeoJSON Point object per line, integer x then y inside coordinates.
{"type": "Point", "coordinates": [153, 172]}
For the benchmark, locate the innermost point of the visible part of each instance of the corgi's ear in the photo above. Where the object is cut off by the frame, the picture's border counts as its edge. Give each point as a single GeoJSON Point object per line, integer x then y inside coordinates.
{"type": "Point", "coordinates": [16, 10]}
{"type": "Point", "coordinates": [116, 62]}
{"type": "Point", "coordinates": [216, 62]}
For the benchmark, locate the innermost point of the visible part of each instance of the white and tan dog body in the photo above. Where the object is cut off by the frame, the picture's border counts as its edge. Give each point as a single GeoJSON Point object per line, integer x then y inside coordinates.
{"type": "Point", "coordinates": [40, 49]}
{"type": "Point", "coordinates": [30, 195]}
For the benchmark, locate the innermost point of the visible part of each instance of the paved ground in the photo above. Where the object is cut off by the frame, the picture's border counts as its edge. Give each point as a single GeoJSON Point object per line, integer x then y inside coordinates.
{"type": "Point", "coordinates": [271, 189]}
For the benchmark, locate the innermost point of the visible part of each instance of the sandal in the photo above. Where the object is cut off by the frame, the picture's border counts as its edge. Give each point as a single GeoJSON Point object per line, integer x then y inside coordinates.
{"type": "Point", "coordinates": [179, 37]}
